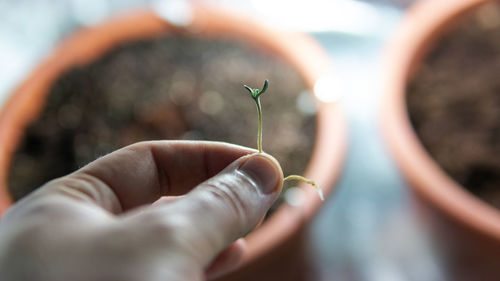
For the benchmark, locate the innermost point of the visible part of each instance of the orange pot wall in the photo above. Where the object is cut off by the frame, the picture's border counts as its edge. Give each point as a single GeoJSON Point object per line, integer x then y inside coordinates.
{"type": "Point", "coordinates": [465, 229]}
{"type": "Point", "coordinates": [274, 249]}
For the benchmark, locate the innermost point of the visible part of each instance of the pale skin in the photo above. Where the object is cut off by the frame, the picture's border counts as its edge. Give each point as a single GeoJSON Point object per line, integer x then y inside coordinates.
{"type": "Point", "coordinates": [121, 216]}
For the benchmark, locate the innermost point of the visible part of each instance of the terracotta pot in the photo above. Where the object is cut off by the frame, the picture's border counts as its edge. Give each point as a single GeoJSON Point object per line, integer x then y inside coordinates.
{"type": "Point", "coordinates": [465, 229]}
{"type": "Point", "coordinates": [275, 246]}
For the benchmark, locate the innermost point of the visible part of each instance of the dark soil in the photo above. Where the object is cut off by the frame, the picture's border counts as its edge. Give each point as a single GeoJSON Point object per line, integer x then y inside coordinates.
{"type": "Point", "coordinates": [454, 103]}
{"type": "Point", "coordinates": [165, 88]}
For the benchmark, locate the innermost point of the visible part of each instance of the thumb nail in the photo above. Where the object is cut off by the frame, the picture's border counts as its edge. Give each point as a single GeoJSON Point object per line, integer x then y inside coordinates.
{"type": "Point", "coordinates": [264, 171]}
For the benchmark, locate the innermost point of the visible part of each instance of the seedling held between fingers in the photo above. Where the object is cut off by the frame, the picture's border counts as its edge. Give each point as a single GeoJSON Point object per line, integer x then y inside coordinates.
{"type": "Point", "coordinates": [256, 93]}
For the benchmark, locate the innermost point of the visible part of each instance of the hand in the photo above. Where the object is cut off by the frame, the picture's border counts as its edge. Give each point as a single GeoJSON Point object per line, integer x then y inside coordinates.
{"type": "Point", "coordinates": [99, 222]}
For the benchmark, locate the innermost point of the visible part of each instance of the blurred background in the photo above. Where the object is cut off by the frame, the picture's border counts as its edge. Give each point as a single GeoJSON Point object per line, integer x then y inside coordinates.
{"type": "Point", "coordinates": [367, 230]}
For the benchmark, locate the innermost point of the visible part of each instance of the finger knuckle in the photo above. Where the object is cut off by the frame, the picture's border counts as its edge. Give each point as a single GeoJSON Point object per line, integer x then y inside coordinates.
{"type": "Point", "coordinates": [228, 197]}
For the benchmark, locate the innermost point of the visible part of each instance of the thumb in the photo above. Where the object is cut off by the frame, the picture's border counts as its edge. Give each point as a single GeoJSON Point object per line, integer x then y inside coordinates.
{"type": "Point", "coordinates": [228, 205]}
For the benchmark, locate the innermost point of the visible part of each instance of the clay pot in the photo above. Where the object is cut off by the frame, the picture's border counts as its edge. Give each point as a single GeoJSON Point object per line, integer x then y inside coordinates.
{"type": "Point", "coordinates": [465, 229]}
{"type": "Point", "coordinates": [275, 247]}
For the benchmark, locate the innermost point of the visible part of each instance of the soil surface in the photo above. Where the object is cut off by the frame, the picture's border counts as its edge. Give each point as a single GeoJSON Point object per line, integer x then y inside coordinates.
{"type": "Point", "coordinates": [166, 88]}
{"type": "Point", "coordinates": [454, 103]}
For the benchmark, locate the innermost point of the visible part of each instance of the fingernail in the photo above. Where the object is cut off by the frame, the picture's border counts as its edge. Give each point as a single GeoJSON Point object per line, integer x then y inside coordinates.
{"type": "Point", "coordinates": [263, 171]}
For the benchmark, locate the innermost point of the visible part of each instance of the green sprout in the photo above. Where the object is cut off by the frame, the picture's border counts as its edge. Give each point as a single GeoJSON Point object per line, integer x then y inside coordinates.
{"type": "Point", "coordinates": [256, 93]}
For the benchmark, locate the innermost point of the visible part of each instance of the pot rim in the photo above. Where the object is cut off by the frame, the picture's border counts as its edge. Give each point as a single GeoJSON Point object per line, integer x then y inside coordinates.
{"type": "Point", "coordinates": [301, 51]}
{"type": "Point", "coordinates": [421, 27]}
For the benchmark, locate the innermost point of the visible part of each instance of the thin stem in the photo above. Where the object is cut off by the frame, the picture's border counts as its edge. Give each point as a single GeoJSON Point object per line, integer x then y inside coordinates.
{"type": "Point", "coordinates": [308, 181]}
{"type": "Point", "coordinates": [259, 133]}
{"type": "Point", "coordinates": [255, 93]}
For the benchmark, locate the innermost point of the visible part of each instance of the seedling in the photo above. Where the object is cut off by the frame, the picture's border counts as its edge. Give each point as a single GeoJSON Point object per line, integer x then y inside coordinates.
{"type": "Point", "coordinates": [256, 93]}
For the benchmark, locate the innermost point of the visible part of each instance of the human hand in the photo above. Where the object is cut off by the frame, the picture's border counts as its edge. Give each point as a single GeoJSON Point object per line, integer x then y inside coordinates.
{"type": "Point", "coordinates": [99, 222]}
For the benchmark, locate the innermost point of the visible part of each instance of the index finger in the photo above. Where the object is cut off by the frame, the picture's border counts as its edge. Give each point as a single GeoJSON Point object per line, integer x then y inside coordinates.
{"type": "Point", "coordinates": [141, 173]}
